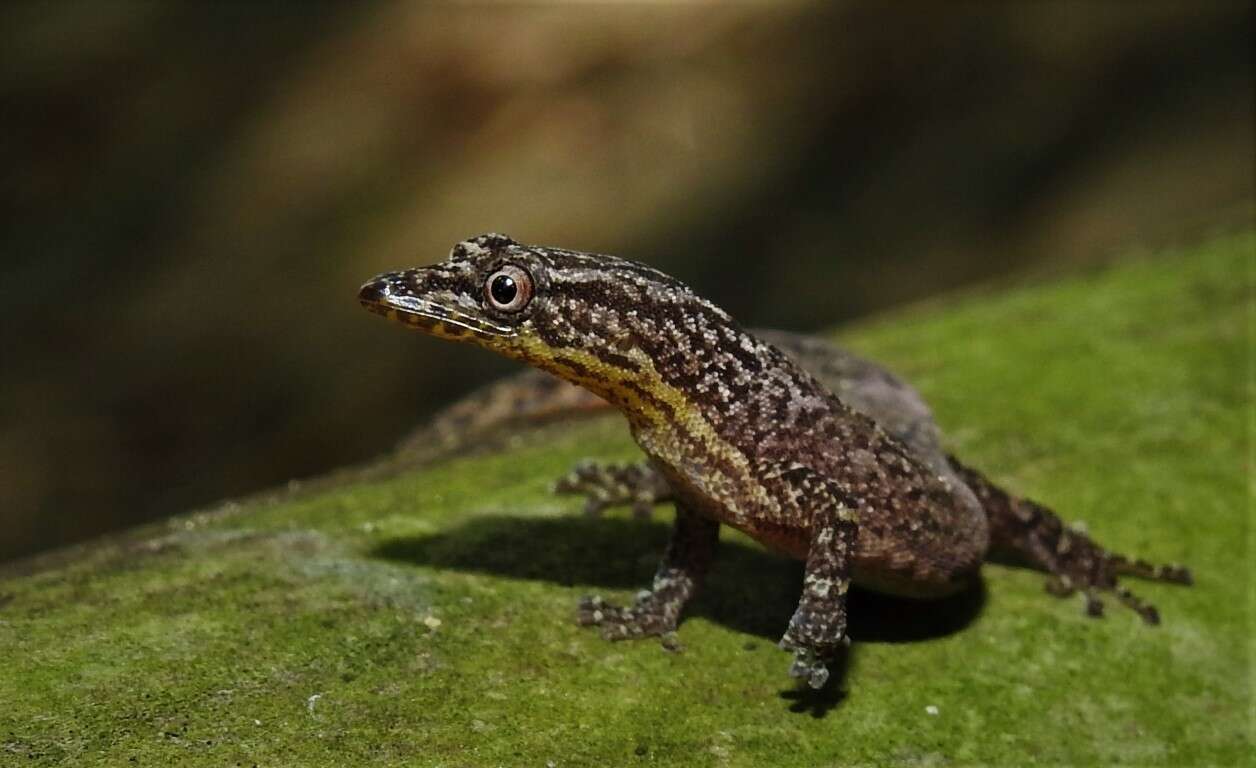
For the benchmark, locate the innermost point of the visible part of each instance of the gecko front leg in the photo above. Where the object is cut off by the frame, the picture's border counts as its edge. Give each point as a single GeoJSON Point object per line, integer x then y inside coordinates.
{"type": "Point", "coordinates": [609, 485]}
{"type": "Point", "coordinates": [680, 574]}
{"type": "Point", "coordinates": [817, 630]}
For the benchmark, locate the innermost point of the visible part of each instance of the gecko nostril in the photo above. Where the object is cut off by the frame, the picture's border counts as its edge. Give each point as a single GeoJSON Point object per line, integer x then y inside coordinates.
{"type": "Point", "coordinates": [374, 290]}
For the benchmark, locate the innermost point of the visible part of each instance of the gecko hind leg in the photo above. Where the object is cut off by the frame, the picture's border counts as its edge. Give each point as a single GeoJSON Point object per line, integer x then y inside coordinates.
{"type": "Point", "coordinates": [679, 575]}
{"type": "Point", "coordinates": [1026, 533]}
{"type": "Point", "coordinates": [610, 485]}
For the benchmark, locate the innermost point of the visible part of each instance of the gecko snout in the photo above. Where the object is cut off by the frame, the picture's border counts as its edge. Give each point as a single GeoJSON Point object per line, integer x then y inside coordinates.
{"type": "Point", "coordinates": [376, 290]}
{"type": "Point", "coordinates": [382, 293]}
{"type": "Point", "coordinates": [424, 300]}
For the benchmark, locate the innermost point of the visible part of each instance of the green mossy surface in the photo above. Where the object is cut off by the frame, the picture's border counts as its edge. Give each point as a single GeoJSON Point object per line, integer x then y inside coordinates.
{"type": "Point", "coordinates": [425, 616]}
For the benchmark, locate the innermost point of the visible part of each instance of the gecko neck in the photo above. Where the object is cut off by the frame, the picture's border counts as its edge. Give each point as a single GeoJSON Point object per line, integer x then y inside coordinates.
{"type": "Point", "coordinates": [629, 379]}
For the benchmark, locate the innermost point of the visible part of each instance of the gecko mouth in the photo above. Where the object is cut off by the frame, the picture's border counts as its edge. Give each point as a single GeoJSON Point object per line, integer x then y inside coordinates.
{"type": "Point", "coordinates": [393, 296]}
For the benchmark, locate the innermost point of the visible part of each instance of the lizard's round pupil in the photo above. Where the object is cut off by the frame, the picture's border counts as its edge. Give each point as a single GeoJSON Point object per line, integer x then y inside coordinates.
{"type": "Point", "coordinates": [503, 289]}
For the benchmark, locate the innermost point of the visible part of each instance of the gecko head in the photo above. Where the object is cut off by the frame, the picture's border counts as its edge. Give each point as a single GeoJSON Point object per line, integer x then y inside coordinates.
{"type": "Point", "coordinates": [582, 316]}
{"type": "Point", "coordinates": [483, 293]}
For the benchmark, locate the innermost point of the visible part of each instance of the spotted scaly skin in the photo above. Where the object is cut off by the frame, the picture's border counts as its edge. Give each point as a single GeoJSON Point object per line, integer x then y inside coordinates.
{"type": "Point", "coordinates": [737, 432]}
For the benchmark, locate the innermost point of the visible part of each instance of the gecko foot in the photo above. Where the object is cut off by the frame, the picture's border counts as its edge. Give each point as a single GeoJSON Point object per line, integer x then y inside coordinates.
{"type": "Point", "coordinates": [811, 662]}
{"type": "Point", "coordinates": [610, 485]}
{"type": "Point", "coordinates": [1081, 565]}
{"type": "Point", "coordinates": [650, 616]}
{"type": "Point", "coordinates": [1062, 585]}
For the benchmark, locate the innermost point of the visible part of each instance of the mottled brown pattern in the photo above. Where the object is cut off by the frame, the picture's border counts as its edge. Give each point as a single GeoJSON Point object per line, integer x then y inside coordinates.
{"type": "Point", "coordinates": [846, 474]}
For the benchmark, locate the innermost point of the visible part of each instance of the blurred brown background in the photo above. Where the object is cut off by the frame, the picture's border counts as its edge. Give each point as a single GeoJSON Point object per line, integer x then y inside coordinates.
{"type": "Point", "coordinates": [193, 193]}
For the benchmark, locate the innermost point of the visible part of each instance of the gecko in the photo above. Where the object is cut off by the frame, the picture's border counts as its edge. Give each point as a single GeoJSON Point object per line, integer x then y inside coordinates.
{"type": "Point", "coordinates": [811, 451]}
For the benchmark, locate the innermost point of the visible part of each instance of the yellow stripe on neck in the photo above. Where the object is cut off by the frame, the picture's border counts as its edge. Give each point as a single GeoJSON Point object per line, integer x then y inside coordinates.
{"type": "Point", "coordinates": [647, 419]}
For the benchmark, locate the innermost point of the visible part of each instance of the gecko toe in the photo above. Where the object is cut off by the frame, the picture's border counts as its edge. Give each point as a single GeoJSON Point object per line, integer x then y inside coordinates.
{"type": "Point", "coordinates": [1171, 573]}
{"type": "Point", "coordinates": [807, 668]}
{"type": "Point", "coordinates": [1059, 585]}
{"type": "Point", "coordinates": [801, 665]}
{"type": "Point", "coordinates": [594, 507]}
{"type": "Point", "coordinates": [592, 610]}
{"type": "Point", "coordinates": [1180, 574]}
{"type": "Point", "coordinates": [1094, 606]}
{"type": "Point", "coordinates": [1144, 609]}
{"type": "Point", "coordinates": [1062, 585]}
{"type": "Point", "coordinates": [620, 623]}
{"type": "Point", "coordinates": [610, 485]}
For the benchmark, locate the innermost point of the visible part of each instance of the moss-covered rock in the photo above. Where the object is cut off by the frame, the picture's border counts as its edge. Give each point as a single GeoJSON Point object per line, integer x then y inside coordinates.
{"type": "Point", "coordinates": [425, 615]}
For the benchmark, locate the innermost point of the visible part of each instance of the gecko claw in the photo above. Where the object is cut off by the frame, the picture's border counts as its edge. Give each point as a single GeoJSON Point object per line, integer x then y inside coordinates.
{"type": "Point", "coordinates": [1094, 606]}
{"type": "Point", "coordinates": [671, 642]}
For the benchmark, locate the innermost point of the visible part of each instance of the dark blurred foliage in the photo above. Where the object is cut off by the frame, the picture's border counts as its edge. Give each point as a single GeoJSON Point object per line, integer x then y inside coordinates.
{"type": "Point", "coordinates": [194, 192]}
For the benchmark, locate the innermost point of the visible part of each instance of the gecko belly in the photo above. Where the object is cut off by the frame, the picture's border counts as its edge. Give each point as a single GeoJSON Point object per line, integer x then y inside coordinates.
{"type": "Point", "coordinates": [888, 559]}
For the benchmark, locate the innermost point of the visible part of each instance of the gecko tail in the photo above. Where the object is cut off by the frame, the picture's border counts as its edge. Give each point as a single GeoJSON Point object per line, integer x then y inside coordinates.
{"type": "Point", "coordinates": [1024, 532]}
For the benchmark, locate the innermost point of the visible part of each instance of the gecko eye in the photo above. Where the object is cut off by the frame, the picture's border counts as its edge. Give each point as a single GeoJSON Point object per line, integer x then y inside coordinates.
{"type": "Point", "coordinates": [509, 289]}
